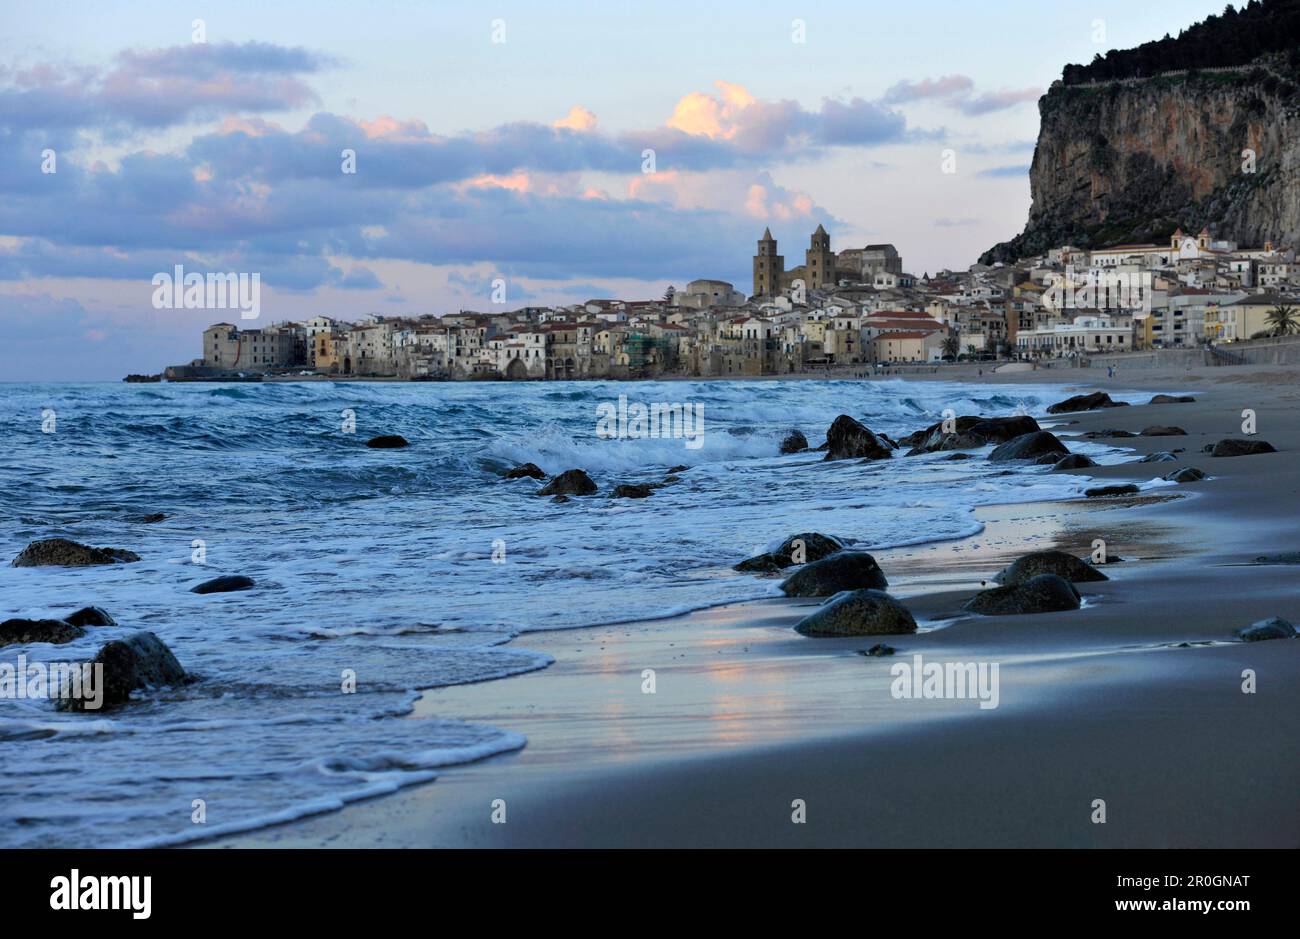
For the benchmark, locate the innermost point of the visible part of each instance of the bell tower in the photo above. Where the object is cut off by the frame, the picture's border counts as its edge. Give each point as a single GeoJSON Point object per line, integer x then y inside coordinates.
{"type": "Point", "coordinates": [768, 267]}
{"type": "Point", "coordinates": [820, 260]}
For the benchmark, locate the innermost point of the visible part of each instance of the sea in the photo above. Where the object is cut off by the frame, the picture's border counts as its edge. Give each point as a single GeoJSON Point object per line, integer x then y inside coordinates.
{"type": "Point", "coordinates": [382, 572]}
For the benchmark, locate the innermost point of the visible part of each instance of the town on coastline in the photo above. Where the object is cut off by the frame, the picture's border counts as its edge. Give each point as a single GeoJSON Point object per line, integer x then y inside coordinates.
{"type": "Point", "coordinates": [857, 307]}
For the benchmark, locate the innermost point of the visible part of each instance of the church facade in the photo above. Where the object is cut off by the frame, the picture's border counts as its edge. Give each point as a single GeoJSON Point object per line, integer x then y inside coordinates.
{"type": "Point", "coordinates": [822, 267]}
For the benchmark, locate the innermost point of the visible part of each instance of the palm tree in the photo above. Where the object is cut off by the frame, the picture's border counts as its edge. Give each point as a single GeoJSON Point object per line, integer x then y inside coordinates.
{"type": "Point", "coordinates": [1283, 320]}
{"type": "Point", "coordinates": [951, 348]}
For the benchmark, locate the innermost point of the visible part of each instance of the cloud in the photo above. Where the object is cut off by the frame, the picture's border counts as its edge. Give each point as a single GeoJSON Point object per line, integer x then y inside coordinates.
{"type": "Point", "coordinates": [160, 87]}
{"type": "Point", "coordinates": [782, 128]}
{"type": "Point", "coordinates": [357, 278]}
{"type": "Point", "coordinates": [958, 92]}
{"type": "Point", "coordinates": [578, 118]}
{"type": "Point", "coordinates": [997, 101]}
{"type": "Point", "coordinates": [949, 86]}
{"type": "Point", "coordinates": [996, 172]}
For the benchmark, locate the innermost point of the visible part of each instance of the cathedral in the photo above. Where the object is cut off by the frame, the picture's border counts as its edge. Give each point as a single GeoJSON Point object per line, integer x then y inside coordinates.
{"type": "Point", "coordinates": [822, 267]}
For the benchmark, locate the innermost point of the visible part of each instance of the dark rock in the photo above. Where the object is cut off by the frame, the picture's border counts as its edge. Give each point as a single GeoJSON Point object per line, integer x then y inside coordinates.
{"type": "Point", "coordinates": [815, 546]}
{"type": "Point", "coordinates": [1110, 432]}
{"type": "Point", "coordinates": [677, 469]}
{"type": "Point", "coordinates": [1287, 557]}
{"type": "Point", "coordinates": [223, 584]}
{"type": "Point", "coordinates": [848, 439]}
{"type": "Point", "coordinates": [1025, 568]}
{"type": "Point", "coordinates": [1002, 429]}
{"type": "Point", "coordinates": [1029, 447]}
{"type": "Point", "coordinates": [1234, 447]}
{"type": "Point", "coordinates": [1073, 461]}
{"type": "Point", "coordinates": [572, 482]}
{"type": "Point", "coordinates": [968, 433]}
{"type": "Point", "coordinates": [151, 518]}
{"type": "Point", "coordinates": [529, 470]}
{"type": "Point", "coordinates": [1163, 456]}
{"type": "Point", "coordinates": [878, 649]}
{"type": "Point", "coordinates": [1160, 430]}
{"type": "Point", "coordinates": [388, 442]}
{"type": "Point", "coordinates": [56, 631]}
{"type": "Point", "coordinates": [1088, 402]}
{"type": "Point", "coordinates": [958, 456]}
{"type": "Point", "coordinates": [844, 570]}
{"type": "Point", "coordinates": [1125, 489]}
{"type": "Point", "coordinates": [137, 662]}
{"type": "Point", "coordinates": [1110, 559]}
{"type": "Point", "coordinates": [631, 491]}
{"type": "Point", "coordinates": [1046, 593]}
{"type": "Point", "coordinates": [90, 616]}
{"type": "Point", "coordinates": [1274, 628]}
{"type": "Point", "coordinates": [560, 500]}
{"type": "Point", "coordinates": [1172, 399]}
{"type": "Point", "coordinates": [1188, 474]}
{"type": "Point", "coordinates": [794, 442]}
{"type": "Point", "coordinates": [858, 613]}
{"type": "Point", "coordinates": [60, 552]}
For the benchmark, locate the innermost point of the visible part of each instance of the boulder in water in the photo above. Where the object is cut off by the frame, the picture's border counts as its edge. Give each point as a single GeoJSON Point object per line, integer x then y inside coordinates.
{"type": "Point", "coordinates": [1124, 489]}
{"type": "Point", "coordinates": [802, 548]}
{"type": "Point", "coordinates": [572, 482]}
{"type": "Point", "coordinates": [60, 552]}
{"type": "Point", "coordinates": [969, 433]}
{"type": "Point", "coordinates": [1162, 430]}
{"type": "Point", "coordinates": [388, 442]}
{"type": "Point", "coordinates": [135, 663]}
{"type": "Point", "coordinates": [1073, 461]}
{"type": "Point", "coordinates": [1172, 399]}
{"type": "Point", "coordinates": [226, 584]}
{"type": "Point", "coordinates": [1188, 474]}
{"type": "Point", "coordinates": [843, 570]}
{"type": "Point", "coordinates": [858, 613]}
{"type": "Point", "coordinates": [1029, 447]}
{"type": "Point", "coordinates": [529, 470]}
{"type": "Point", "coordinates": [21, 631]}
{"type": "Point", "coordinates": [1029, 566]}
{"type": "Point", "coordinates": [1045, 593]}
{"type": "Point", "coordinates": [794, 442]}
{"type": "Point", "coordinates": [632, 491]}
{"type": "Point", "coordinates": [90, 616]}
{"type": "Point", "coordinates": [1235, 447]}
{"type": "Point", "coordinates": [848, 439]}
{"type": "Point", "coordinates": [1088, 402]}
{"type": "Point", "coordinates": [1272, 628]}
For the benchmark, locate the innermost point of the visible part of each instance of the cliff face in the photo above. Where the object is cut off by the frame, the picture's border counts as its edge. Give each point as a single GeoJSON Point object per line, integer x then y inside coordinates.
{"type": "Point", "coordinates": [1131, 161]}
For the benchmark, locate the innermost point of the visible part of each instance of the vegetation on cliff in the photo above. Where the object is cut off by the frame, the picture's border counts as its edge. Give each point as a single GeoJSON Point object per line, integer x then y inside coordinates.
{"type": "Point", "coordinates": [1237, 37]}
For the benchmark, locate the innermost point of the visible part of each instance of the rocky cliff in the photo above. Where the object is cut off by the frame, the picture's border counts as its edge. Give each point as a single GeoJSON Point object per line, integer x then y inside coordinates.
{"type": "Point", "coordinates": [1132, 160]}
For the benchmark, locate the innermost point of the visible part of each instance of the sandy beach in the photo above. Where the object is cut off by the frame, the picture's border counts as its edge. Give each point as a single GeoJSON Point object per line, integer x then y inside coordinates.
{"type": "Point", "coordinates": [1136, 699]}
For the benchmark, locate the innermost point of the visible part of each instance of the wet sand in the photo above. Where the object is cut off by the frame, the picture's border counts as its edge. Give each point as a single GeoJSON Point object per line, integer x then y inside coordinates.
{"type": "Point", "coordinates": [1136, 699]}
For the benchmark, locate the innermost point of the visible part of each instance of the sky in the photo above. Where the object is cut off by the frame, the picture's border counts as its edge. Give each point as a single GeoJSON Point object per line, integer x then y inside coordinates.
{"type": "Point", "coordinates": [556, 151]}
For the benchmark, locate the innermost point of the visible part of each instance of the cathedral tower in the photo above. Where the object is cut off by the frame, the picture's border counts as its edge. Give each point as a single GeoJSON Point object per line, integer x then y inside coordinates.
{"type": "Point", "coordinates": [768, 267]}
{"type": "Point", "coordinates": [820, 260]}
